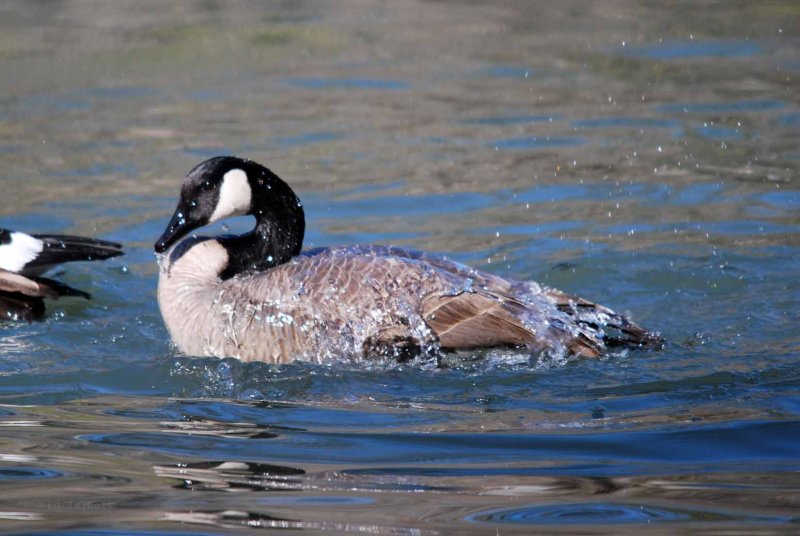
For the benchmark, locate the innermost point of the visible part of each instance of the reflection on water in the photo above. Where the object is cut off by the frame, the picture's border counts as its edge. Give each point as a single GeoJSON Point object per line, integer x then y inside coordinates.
{"type": "Point", "coordinates": [233, 476]}
{"type": "Point", "coordinates": [591, 513]}
{"type": "Point", "coordinates": [156, 460]}
{"type": "Point", "coordinates": [643, 156]}
{"type": "Point", "coordinates": [16, 473]}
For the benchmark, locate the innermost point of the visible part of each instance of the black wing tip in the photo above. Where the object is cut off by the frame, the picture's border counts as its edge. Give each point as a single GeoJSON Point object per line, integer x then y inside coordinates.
{"type": "Point", "coordinates": [624, 333]}
{"type": "Point", "coordinates": [630, 335]}
{"type": "Point", "coordinates": [59, 249]}
{"type": "Point", "coordinates": [67, 241]}
{"type": "Point", "coordinates": [640, 335]}
{"type": "Point", "coordinates": [107, 251]}
{"type": "Point", "coordinates": [62, 289]}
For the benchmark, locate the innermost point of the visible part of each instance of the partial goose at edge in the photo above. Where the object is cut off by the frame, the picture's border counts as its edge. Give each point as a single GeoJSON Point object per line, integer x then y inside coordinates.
{"type": "Point", "coordinates": [24, 257]}
{"type": "Point", "coordinates": [256, 296]}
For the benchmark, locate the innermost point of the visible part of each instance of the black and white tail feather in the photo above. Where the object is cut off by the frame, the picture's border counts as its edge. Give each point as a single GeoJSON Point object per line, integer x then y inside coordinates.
{"type": "Point", "coordinates": [24, 257]}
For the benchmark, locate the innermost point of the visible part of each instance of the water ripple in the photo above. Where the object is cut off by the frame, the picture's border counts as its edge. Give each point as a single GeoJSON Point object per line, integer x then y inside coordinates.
{"type": "Point", "coordinates": [620, 453]}
{"type": "Point", "coordinates": [534, 142]}
{"type": "Point", "coordinates": [506, 71]}
{"type": "Point", "coordinates": [677, 50]}
{"type": "Point", "coordinates": [510, 120]}
{"type": "Point", "coordinates": [348, 83]}
{"type": "Point", "coordinates": [761, 105]}
{"type": "Point", "coordinates": [588, 514]}
{"type": "Point", "coordinates": [27, 473]}
{"type": "Point", "coordinates": [627, 122]}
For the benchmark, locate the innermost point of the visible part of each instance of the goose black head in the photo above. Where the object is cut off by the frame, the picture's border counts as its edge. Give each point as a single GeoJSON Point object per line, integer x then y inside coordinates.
{"type": "Point", "coordinates": [227, 186]}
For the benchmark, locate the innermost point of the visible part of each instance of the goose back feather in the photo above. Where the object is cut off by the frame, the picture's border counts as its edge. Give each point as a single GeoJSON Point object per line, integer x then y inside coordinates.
{"type": "Point", "coordinates": [24, 257]}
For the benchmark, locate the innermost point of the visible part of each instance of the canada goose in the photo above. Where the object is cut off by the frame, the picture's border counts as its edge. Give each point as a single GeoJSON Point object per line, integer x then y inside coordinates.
{"type": "Point", "coordinates": [257, 297]}
{"type": "Point", "coordinates": [23, 257]}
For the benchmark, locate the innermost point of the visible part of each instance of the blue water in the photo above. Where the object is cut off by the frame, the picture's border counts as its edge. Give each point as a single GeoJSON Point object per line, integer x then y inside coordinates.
{"type": "Point", "coordinates": [658, 178]}
{"type": "Point", "coordinates": [681, 50]}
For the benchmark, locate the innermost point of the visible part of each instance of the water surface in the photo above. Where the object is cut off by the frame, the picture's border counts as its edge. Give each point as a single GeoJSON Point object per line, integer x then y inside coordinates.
{"type": "Point", "coordinates": [641, 156]}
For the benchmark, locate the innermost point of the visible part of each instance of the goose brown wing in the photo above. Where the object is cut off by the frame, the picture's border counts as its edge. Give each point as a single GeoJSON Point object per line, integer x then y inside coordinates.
{"type": "Point", "coordinates": [493, 315]}
{"type": "Point", "coordinates": [470, 320]}
{"type": "Point", "coordinates": [586, 314]}
{"type": "Point", "coordinates": [481, 319]}
{"type": "Point", "coordinates": [485, 312]}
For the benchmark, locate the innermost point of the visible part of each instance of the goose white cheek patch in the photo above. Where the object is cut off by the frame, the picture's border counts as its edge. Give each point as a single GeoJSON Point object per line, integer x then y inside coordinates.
{"type": "Point", "coordinates": [20, 251]}
{"type": "Point", "coordinates": [234, 196]}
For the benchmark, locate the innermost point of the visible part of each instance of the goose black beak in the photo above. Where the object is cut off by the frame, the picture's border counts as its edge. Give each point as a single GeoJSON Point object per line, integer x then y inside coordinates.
{"type": "Point", "coordinates": [178, 227]}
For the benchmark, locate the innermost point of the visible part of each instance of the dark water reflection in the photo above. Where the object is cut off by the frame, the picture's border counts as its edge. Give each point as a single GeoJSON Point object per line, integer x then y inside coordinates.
{"type": "Point", "coordinates": [643, 156]}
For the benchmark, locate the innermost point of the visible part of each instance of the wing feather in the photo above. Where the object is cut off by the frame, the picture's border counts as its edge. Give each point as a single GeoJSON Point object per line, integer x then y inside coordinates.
{"type": "Point", "coordinates": [594, 315]}
{"type": "Point", "coordinates": [57, 249]}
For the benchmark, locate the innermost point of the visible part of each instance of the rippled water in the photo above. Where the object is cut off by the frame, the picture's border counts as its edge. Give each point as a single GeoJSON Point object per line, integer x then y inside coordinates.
{"type": "Point", "coordinates": [642, 156]}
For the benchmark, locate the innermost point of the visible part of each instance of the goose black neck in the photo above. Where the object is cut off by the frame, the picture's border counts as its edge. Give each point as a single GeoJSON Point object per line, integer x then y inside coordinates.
{"type": "Point", "coordinates": [279, 230]}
